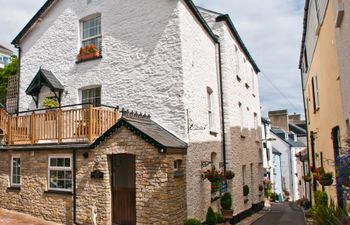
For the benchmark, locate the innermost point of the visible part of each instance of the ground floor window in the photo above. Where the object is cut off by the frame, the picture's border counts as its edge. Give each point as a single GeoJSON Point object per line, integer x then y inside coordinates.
{"type": "Point", "coordinates": [60, 173]}
{"type": "Point", "coordinates": [15, 171]}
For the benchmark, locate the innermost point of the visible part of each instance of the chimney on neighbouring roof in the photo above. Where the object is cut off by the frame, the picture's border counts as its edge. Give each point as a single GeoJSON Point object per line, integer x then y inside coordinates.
{"type": "Point", "coordinates": [279, 118]}
{"type": "Point", "coordinates": [294, 118]}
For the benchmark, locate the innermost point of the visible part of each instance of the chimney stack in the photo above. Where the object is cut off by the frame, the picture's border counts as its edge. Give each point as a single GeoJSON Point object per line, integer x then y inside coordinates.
{"type": "Point", "coordinates": [279, 118]}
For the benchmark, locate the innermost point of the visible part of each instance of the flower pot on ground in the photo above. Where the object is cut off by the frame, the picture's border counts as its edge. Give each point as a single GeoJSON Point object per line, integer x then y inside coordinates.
{"type": "Point", "coordinates": [226, 205]}
{"type": "Point", "coordinates": [326, 179]}
{"type": "Point", "coordinates": [246, 193]}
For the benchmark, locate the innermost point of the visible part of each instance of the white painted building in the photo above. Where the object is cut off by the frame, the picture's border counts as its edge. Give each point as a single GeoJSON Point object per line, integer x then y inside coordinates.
{"type": "Point", "coordinates": [267, 153]}
{"type": "Point", "coordinates": [5, 56]}
{"type": "Point", "coordinates": [178, 63]}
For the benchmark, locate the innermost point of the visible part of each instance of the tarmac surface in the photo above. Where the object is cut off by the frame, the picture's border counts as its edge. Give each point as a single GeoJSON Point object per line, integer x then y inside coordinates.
{"type": "Point", "coordinates": [286, 213]}
{"type": "Point", "coordinates": [15, 218]}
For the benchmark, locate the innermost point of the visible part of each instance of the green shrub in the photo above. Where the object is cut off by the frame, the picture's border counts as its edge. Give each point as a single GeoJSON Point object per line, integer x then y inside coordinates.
{"type": "Point", "coordinates": [219, 218]}
{"type": "Point", "coordinates": [193, 222]}
{"type": "Point", "coordinates": [226, 201]}
{"type": "Point", "coordinates": [245, 190]}
{"type": "Point", "coordinates": [273, 196]}
{"type": "Point", "coordinates": [321, 198]}
{"type": "Point", "coordinates": [211, 217]}
{"type": "Point", "coordinates": [50, 103]}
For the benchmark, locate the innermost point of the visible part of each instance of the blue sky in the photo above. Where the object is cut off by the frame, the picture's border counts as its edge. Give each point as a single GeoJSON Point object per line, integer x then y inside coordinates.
{"type": "Point", "coordinates": [271, 29]}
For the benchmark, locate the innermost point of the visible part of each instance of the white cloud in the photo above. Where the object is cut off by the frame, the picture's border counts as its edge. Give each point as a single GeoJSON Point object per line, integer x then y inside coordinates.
{"type": "Point", "coordinates": [271, 30]}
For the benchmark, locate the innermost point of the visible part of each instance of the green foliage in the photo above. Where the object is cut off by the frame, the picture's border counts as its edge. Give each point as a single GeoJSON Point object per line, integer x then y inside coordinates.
{"type": "Point", "coordinates": [50, 103]}
{"type": "Point", "coordinates": [211, 217]}
{"type": "Point", "coordinates": [268, 193]}
{"type": "Point", "coordinates": [229, 175]}
{"type": "Point", "coordinates": [245, 190]}
{"type": "Point", "coordinates": [5, 73]}
{"type": "Point", "coordinates": [219, 218]}
{"type": "Point", "coordinates": [226, 201]}
{"type": "Point", "coordinates": [193, 222]}
{"type": "Point", "coordinates": [321, 199]}
{"type": "Point", "coordinates": [273, 196]}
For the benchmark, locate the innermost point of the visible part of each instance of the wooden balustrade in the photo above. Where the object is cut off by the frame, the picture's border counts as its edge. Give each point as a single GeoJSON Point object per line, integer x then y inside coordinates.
{"type": "Point", "coordinates": [81, 125]}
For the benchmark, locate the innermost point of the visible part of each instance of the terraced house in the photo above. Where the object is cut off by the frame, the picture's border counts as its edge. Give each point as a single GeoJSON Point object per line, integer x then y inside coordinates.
{"type": "Point", "coordinates": [187, 92]}
{"type": "Point", "coordinates": [325, 79]}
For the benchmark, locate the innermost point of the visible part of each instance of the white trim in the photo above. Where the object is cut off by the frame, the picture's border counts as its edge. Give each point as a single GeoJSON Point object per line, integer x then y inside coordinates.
{"type": "Point", "coordinates": [49, 168]}
{"type": "Point", "coordinates": [16, 156]}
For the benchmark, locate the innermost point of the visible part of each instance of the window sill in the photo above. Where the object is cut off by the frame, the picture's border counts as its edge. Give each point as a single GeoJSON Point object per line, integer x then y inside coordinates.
{"type": "Point", "coordinates": [13, 188]}
{"type": "Point", "coordinates": [59, 192]}
{"type": "Point", "coordinates": [90, 59]}
{"type": "Point", "coordinates": [214, 133]}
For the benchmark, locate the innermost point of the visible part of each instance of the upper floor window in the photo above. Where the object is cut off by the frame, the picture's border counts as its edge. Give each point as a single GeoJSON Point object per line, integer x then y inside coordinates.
{"type": "Point", "coordinates": [315, 92]}
{"type": "Point", "coordinates": [91, 96]}
{"type": "Point", "coordinates": [15, 171]}
{"type": "Point", "coordinates": [210, 108]}
{"type": "Point", "coordinates": [91, 32]}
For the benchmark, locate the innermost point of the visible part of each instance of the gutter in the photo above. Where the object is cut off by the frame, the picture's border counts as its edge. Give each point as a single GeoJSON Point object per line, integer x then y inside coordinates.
{"type": "Point", "coordinates": [222, 108]}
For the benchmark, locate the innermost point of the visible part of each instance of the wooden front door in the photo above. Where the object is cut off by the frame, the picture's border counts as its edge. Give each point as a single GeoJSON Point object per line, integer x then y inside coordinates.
{"type": "Point", "coordinates": [123, 190]}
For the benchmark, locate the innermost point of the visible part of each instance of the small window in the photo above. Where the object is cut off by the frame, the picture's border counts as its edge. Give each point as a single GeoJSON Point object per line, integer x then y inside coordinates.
{"type": "Point", "coordinates": [91, 32]}
{"type": "Point", "coordinates": [178, 168]}
{"type": "Point", "coordinates": [210, 108]}
{"type": "Point", "coordinates": [60, 173]}
{"type": "Point", "coordinates": [91, 96]}
{"type": "Point", "coordinates": [15, 171]}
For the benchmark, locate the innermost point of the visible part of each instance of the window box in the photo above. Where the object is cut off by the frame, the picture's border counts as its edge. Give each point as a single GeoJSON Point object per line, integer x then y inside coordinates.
{"type": "Point", "coordinates": [94, 55]}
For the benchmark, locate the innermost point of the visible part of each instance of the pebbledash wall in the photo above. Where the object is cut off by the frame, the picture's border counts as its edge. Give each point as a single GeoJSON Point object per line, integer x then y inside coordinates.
{"type": "Point", "coordinates": [164, 202]}
{"type": "Point", "coordinates": [159, 59]}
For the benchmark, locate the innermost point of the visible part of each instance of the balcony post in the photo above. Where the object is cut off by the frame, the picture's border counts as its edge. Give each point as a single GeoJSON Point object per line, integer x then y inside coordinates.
{"type": "Point", "coordinates": [32, 128]}
{"type": "Point", "coordinates": [9, 130]}
{"type": "Point", "coordinates": [59, 125]}
{"type": "Point", "coordinates": [90, 123]}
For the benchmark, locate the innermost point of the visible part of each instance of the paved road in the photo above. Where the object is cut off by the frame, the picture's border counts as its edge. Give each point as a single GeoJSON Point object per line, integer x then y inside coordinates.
{"type": "Point", "coordinates": [282, 214]}
{"type": "Point", "coordinates": [15, 218]}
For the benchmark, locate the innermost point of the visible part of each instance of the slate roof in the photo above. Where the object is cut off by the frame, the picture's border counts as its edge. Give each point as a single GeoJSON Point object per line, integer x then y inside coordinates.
{"type": "Point", "coordinates": [275, 151]}
{"type": "Point", "coordinates": [290, 141]}
{"type": "Point", "coordinates": [44, 77]}
{"type": "Point", "coordinates": [297, 129]}
{"type": "Point", "coordinates": [148, 130]}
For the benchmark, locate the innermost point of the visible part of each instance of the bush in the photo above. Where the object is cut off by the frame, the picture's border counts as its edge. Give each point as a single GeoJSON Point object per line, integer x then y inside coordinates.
{"type": "Point", "coordinates": [211, 217]}
{"type": "Point", "coordinates": [229, 175]}
{"type": "Point", "coordinates": [245, 190]}
{"type": "Point", "coordinates": [50, 103]}
{"type": "Point", "coordinates": [226, 201]}
{"type": "Point", "coordinates": [321, 198]}
{"type": "Point", "coordinates": [219, 218]}
{"type": "Point", "coordinates": [304, 202]}
{"type": "Point", "coordinates": [273, 197]}
{"type": "Point", "coordinates": [193, 222]}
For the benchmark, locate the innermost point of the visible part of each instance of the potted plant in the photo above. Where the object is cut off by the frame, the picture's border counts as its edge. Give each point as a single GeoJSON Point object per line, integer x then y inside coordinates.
{"type": "Point", "coordinates": [88, 52]}
{"type": "Point", "coordinates": [220, 218]}
{"type": "Point", "coordinates": [213, 175]}
{"type": "Point", "coordinates": [226, 204]}
{"type": "Point", "coordinates": [193, 222]}
{"type": "Point", "coordinates": [286, 193]}
{"type": "Point", "coordinates": [246, 193]}
{"type": "Point", "coordinates": [211, 217]}
{"type": "Point", "coordinates": [317, 173]}
{"type": "Point", "coordinates": [326, 179]}
{"type": "Point", "coordinates": [307, 178]}
{"type": "Point", "coordinates": [229, 175]}
{"type": "Point", "coordinates": [50, 103]}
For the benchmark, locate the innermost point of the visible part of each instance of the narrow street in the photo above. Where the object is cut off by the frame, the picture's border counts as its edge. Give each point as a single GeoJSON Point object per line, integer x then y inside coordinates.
{"type": "Point", "coordinates": [283, 214]}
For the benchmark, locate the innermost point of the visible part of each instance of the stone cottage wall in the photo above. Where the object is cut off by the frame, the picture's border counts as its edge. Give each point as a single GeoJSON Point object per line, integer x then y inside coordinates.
{"type": "Point", "coordinates": [160, 197]}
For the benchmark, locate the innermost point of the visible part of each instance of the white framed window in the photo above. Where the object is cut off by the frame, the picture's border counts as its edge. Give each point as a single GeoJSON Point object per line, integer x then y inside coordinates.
{"type": "Point", "coordinates": [91, 96]}
{"type": "Point", "coordinates": [60, 173]}
{"type": "Point", "coordinates": [15, 171]}
{"type": "Point", "coordinates": [210, 96]}
{"type": "Point", "coordinates": [91, 31]}
{"type": "Point", "coordinates": [315, 90]}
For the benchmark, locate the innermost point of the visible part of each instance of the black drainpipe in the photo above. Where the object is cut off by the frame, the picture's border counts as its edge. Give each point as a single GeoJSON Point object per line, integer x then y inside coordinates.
{"type": "Point", "coordinates": [18, 74]}
{"type": "Point", "coordinates": [74, 187]}
{"type": "Point", "coordinates": [222, 109]}
{"type": "Point", "coordinates": [307, 131]}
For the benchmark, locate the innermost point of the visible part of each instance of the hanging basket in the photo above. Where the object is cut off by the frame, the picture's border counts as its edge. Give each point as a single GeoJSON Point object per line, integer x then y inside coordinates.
{"type": "Point", "coordinates": [326, 181]}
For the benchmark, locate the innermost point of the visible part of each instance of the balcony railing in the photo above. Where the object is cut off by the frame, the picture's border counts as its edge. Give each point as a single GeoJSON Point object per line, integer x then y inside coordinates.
{"type": "Point", "coordinates": [64, 125]}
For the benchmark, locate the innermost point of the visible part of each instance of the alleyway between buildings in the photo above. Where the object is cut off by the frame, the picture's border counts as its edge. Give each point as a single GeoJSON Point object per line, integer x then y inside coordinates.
{"type": "Point", "coordinates": [15, 218]}
{"type": "Point", "coordinates": [283, 214]}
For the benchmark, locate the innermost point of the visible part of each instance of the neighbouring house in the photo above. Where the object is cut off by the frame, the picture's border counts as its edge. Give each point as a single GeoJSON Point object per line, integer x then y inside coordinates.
{"type": "Point", "coordinates": [5, 56]}
{"type": "Point", "coordinates": [123, 105]}
{"type": "Point", "coordinates": [267, 151]}
{"type": "Point", "coordinates": [325, 82]}
{"type": "Point", "coordinates": [277, 176]}
{"type": "Point", "coordinates": [287, 144]}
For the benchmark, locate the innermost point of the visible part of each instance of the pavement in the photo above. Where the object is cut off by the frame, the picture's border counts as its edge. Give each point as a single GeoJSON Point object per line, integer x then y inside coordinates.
{"type": "Point", "coordinates": [286, 213]}
{"type": "Point", "coordinates": [15, 218]}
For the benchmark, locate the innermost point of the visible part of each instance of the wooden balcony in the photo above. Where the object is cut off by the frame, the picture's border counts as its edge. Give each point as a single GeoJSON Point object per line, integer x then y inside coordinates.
{"type": "Point", "coordinates": [70, 124]}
